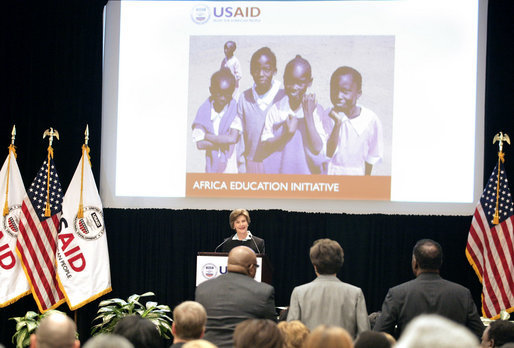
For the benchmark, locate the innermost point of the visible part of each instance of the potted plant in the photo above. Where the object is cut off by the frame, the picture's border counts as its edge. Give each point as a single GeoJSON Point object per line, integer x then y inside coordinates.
{"type": "Point", "coordinates": [112, 310]}
{"type": "Point", "coordinates": [26, 326]}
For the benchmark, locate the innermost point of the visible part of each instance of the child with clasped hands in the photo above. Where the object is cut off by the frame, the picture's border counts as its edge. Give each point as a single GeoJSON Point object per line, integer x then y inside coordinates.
{"type": "Point", "coordinates": [293, 131]}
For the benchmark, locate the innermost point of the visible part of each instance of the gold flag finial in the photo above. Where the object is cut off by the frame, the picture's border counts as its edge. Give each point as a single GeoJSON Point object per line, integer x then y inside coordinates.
{"type": "Point", "coordinates": [12, 149]}
{"type": "Point", "coordinates": [51, 134]}
{"type": "Point", "coordinates": [500, 137]}
{"type": "Point", "coordinates": [85, 149]}
{"type": "Point", "coordinates": [86, 135]}
{"type": "Point", "coordinates": [13, 134]}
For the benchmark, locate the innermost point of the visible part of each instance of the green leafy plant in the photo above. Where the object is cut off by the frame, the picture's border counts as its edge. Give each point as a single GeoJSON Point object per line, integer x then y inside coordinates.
{"type": "Point", "coordinates": [27, 325]}
{"type": "Point", "coordinates": [112, 310]}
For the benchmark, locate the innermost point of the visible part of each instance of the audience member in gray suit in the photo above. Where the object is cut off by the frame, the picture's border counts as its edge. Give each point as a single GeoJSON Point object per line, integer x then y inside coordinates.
{"type": "Point", "coordinates": [428, 293]}
{"type": "Point", "coordinates": [327, 300]}
{"type": "Point", "coordinates": [234, 297]}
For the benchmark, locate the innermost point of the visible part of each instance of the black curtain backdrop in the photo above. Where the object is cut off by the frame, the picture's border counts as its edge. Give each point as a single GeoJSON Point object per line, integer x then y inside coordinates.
{"type": "Point", "coordinates": [51, 69]}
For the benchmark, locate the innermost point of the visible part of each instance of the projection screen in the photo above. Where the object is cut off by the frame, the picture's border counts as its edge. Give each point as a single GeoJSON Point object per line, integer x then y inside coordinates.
{"type": "Point", "coordinates": [419, 121]}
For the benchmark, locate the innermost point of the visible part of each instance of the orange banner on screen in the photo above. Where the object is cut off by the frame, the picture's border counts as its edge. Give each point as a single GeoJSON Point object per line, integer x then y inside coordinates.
{"type": "Point", "coordinates": [288, 186]}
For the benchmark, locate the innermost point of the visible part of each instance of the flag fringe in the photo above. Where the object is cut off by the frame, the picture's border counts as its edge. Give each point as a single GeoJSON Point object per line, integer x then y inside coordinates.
{"type": "Point", "coordinates": [11, 301]}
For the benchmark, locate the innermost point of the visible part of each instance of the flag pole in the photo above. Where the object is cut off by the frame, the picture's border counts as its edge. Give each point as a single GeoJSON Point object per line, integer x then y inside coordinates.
{"type": "Point", "coordinates": [85, 148]}
{"type": "Point", "coordinates": [500, 137]}
{"type": "Point", "coordinates": [13, 150]}
{"type": "Point", "coordinates": [51, 134]}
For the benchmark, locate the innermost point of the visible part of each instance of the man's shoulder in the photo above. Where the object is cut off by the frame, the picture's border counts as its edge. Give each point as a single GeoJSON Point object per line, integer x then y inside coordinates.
{"type": "Point", "coordinates": [421, 283]}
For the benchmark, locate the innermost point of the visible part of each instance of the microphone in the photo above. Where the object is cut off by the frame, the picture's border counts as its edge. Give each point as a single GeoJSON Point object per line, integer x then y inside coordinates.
{"type": "Point", "coordinates": [215, 250]}
{"type": "Point", "coordinates": [258, 250]}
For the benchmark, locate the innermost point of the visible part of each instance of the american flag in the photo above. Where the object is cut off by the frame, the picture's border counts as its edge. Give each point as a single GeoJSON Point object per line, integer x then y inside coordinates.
{"type": "Point", "coordinates": [490, 250]}
{"type": "Point", "coordinates": [37, 240]}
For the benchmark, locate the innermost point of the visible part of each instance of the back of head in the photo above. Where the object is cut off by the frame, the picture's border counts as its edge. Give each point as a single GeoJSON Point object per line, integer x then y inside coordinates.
{"type": "Point", "coordinates": [501, 332]}
{"type": "Point", "coordinates": [108, 341]}
{"type": "Point", "coordinates": [199, 344]}
{"type": "Point", "coordinates": [189, 320]}
{"type": "Point", "coordinates": [240, 259]}
{"type": "Point", "coordinates": [294, 333]}
{"type": "Point", "coordinates": [428, 254]}
{"type": "Point", "coordinates": [327, 256]}
{"type": "Point", "coordinates": [56, 330]}
{"type": "Point", "coordinates": [141, 332]}
{"type": "Point", "coordinates": [328, 337]}
{"type": "Point", "coordinates": [262, 333]}
{"type": "Point", "coordinates": [432, 330]}
{"type": "Point", "coordinates": [371, 339]}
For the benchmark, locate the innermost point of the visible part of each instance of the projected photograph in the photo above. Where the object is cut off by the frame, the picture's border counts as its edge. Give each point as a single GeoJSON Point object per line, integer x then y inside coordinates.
{"type": "Point", "coordinates": [353, 105]}
{"type": "Point", "coordinates": [298, 116]}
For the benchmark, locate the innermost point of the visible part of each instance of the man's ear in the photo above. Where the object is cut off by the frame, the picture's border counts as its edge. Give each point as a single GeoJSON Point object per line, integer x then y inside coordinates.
{"type": "Point", "coordinates": [33, 343]}
{"type": "Point", "coordinates": [173, 329]}
{"type": "Point", "coordinates": [203, 332]}
{"type": "Point", "coordinates": [76, 344]}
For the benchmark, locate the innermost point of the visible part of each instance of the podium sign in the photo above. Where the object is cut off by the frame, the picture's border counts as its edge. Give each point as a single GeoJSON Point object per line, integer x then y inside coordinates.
{"type": "Point", "coordinates": [212, 265]}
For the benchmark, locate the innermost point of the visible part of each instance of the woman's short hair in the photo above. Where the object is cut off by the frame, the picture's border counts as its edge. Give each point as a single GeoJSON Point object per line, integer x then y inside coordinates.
{"type": "Point", "coordinates": [328, 337]}
{"type": "Point", "coordinates": [327, 256]}
{"type": "Point", "coordinates": [237, 213]}
{"type": "Point", "coordinates": [262, 333]}
{"type": "Point", "coordinates": [294, 333]}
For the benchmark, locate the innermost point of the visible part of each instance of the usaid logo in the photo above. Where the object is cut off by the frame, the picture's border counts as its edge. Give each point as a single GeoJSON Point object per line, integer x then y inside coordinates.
{"type": "Point", "coordinates": [209, 271]}
{"type": "Point", "coordinates": [201, 14]}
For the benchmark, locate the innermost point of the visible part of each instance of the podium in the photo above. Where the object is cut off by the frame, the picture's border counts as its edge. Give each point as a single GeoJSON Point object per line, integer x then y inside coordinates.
{"type": "Point", "coordinates": [210, 265]}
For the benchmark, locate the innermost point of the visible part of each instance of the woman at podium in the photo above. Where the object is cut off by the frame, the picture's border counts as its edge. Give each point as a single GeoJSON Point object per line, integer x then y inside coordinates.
{"type": "Point", "coordinates": [239, 221]}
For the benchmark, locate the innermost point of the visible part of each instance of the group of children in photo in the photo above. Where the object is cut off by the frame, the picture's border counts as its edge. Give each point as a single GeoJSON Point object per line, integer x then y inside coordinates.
{"type": "Point", "coordinates": [272, 128]}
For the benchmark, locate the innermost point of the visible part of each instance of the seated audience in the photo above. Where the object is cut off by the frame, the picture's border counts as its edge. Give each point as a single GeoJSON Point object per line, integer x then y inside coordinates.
{"type": "Point", "coordinates": [371, 339]}
{"type": "Point", "coordinates": [55, 331]}
{"type": "Point", "coordinates": [262, 333]}
{"type": "Point", "coordinates": [141, 332]}
{"type": "Point", "coordinates": [108, 341]}
{"type": "Point", "coordinates": [189, 320]}
{"type": "Point", "coordinates": [199, 344]}
{"type": "Point", "coordinates": [498, 333]}
{"type": "Point", "coordinates": [234, 297]}
{"type": "Point", "coordinates": [294, 333]}
{"type": "Point", "coordinates": [432, 330]}
{"type": "Point", "coordinates": [327, 300]}
{"type": "Point", "coordinates": [427, 293]}
{"type": "Point", "coordinates": [328, 337]}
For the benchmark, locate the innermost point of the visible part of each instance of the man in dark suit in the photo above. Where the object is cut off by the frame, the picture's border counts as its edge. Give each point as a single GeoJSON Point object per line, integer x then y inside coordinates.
{"type": "Point", "coordinates": [428, 293]}
{"type": "Point", "coordinates": [234, 297]}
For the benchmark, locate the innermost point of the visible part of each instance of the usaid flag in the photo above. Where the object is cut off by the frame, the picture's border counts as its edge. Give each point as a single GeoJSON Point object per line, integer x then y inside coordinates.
{"type": "Point", "coordinates": [13, 283]}
{"type": "Point", "coordinates": [82, 254]}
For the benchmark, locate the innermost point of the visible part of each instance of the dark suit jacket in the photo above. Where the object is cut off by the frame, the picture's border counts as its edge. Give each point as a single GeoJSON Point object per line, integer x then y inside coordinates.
{"type": "Point", "coordinates": [256, 244]}
{"type": "Point", "coordinates": [428, 293]}
{"type": "Point", "coordinates": [230, 299]}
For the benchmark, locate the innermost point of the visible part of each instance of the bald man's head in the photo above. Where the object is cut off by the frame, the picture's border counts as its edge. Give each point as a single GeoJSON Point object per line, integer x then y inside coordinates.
{"type": "Point", "coordinates": [242, 259]}
{"type": "Point", "coordinates": [55, 331]}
